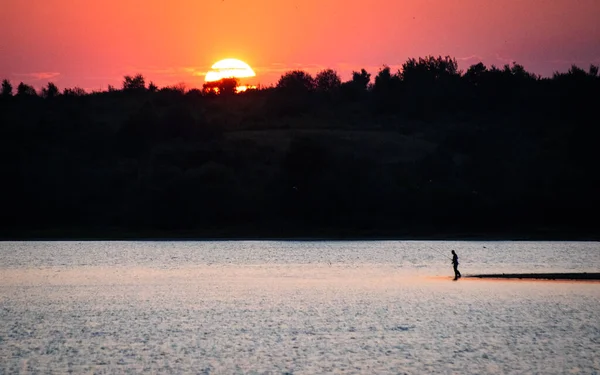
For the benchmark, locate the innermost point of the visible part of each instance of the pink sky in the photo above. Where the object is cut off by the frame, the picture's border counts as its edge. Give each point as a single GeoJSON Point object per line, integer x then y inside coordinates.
{"type": "Point", "coordinates": [93, 43]}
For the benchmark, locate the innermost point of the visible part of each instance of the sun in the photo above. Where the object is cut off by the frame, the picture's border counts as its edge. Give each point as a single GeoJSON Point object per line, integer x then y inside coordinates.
{"type": "Point", "coordinates": [229, 68]}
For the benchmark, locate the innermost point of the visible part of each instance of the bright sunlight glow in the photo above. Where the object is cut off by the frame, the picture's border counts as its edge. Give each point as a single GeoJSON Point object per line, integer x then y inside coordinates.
{"type": "Point", "coordinates": [229, 68]}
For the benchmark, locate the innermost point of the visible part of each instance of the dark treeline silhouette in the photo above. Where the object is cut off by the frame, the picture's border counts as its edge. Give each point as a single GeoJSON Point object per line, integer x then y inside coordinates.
{"type": "Point", "coordinates": [428, 150]}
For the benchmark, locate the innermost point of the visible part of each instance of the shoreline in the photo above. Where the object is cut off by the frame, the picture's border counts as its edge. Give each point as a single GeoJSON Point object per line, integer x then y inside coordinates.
{"type": "Point", "coordinates": [307, 238]}
{"type": "Point", "coordinates": [298, 239]}
{"type": "Point", "coordinates": [278, 234]}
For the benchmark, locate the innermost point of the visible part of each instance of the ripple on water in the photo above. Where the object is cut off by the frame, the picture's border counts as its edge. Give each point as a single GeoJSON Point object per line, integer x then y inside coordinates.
{"type": "Point", "coordinates": [257, 307]}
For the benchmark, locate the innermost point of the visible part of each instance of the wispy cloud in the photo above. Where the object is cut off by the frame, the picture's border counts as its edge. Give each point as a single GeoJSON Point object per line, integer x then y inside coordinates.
{"type": "Point", "coordinates": [199, 73]}
{"type": "Point", "coordinates": [37, 76]}
{"type": "Point", "coordinates": [505, 60]}
{"type": "Point", "coordinates": [470, 58]}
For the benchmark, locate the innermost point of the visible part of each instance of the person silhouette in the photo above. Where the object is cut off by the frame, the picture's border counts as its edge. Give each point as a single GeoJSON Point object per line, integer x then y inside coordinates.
{"type": "Point", "coordinates": [457, 274]}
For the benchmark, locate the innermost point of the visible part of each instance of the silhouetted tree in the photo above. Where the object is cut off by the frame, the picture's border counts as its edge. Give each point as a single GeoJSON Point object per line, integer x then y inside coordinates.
{"type": "Point", "coordinates": [224, 86]}
{"type": "Point", "coordinates": [295, 96]}
{"type": "Point", "coordinates": [228, 86]}
{"type": "Point", "coordinates": [137, 83]}
{"type": "Point", "coordinates": [431, 82]}
{"type": "Point", "coordinates": [577, 73]}
{"type": "Point", "coordinates": [179, 87]}
{"type": "Point", "coordinates": [25, 90]}
{"type": "Point", "coordinates": [429, 69]}
{"type": "Point", "coordinates": [361, 79]}
{"type": "Point", "coordinates": [210, 88]}
{"type": "Point", "coordinates": [518, 72]}
{"type": "Point", "coordinates": [75, 91]}
{"type": "Point", "coordinates": [385, 81]}
{"type": "Point", "coordinates": [357, 87]}
{"type": "Point", "coordinates": [50, 91]}
{"type": "Point", "coordinates": [578, 88]}
{"type": "Point", "coordinates": [152, 87]}
{"type": "Point", "coordinates": [7, 89]}
{"type": "Point", "coordinates": [475, 74]}
{"type": "Point", "coordinates": [194, 93]}
{"type": "Point", "coordinates": [297, 81]}
{"type": "Point", "coordinates": [327, 81]}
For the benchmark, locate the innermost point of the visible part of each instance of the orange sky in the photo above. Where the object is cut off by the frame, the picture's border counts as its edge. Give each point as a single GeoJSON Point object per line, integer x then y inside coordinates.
{"type": "Point", "coordinates": [93, 43]}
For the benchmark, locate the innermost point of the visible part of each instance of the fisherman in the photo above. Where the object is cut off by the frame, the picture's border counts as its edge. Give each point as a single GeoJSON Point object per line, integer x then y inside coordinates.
{"type": "Point", "coordinates": [455, 264]}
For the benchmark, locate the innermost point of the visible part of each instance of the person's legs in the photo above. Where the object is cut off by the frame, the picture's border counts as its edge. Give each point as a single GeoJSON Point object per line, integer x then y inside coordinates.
{"type": "Point", "coordinates": [456, 272]}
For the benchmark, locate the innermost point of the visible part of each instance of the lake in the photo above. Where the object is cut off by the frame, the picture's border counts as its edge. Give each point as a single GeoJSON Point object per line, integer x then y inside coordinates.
{"type": "Point", "coordinates": [301, 307]}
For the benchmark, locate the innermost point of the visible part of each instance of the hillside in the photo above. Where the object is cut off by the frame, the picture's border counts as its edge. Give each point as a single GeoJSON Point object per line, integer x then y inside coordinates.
{"type": "Point", "coordinates": [502, 157]}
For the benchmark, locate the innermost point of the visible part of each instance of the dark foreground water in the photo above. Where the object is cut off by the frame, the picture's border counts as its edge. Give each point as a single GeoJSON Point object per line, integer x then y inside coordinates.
{"type": "Point", "coordinates": [295, 307]}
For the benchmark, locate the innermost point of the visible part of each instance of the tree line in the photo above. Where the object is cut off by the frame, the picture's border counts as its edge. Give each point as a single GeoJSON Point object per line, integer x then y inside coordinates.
{"type": "Point", "coordinates": [427, 149]}
{"type": "Point", "coordinates": [433, 75]}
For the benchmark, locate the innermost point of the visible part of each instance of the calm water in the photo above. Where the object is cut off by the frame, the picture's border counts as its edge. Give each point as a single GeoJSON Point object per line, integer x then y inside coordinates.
{"type": "Point", "coordinates": [295, 307]}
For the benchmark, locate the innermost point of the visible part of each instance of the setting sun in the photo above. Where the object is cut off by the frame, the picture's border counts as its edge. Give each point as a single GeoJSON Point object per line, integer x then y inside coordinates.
{"type": "Point", "coordinates": [229, 68]}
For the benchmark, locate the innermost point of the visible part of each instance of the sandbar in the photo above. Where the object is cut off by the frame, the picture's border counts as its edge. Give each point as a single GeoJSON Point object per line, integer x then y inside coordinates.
{"type": "Point", "coordinates": [545, 276]}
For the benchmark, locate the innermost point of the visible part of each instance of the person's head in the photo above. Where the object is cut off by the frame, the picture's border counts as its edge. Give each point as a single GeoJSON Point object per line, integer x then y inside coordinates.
{"type": "Point", "coordinates": [453, 252]}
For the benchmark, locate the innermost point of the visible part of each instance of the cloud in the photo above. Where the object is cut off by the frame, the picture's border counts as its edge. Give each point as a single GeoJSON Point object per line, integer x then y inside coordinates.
{"type": "Point", "coordinates": [470, 58]}
{"type": "Point", "coordinates": [505, 60]}
{"type": "Point", "coordinates": [38, 76]}
{"type": "Point", "coordinates": [467, 61]}
{"type": "Point", "coordinates": [199, 73]}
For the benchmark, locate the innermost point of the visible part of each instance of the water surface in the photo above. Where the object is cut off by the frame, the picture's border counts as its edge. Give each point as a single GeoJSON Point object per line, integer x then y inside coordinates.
{"type": "Point", "coordinates": [296, 307]}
